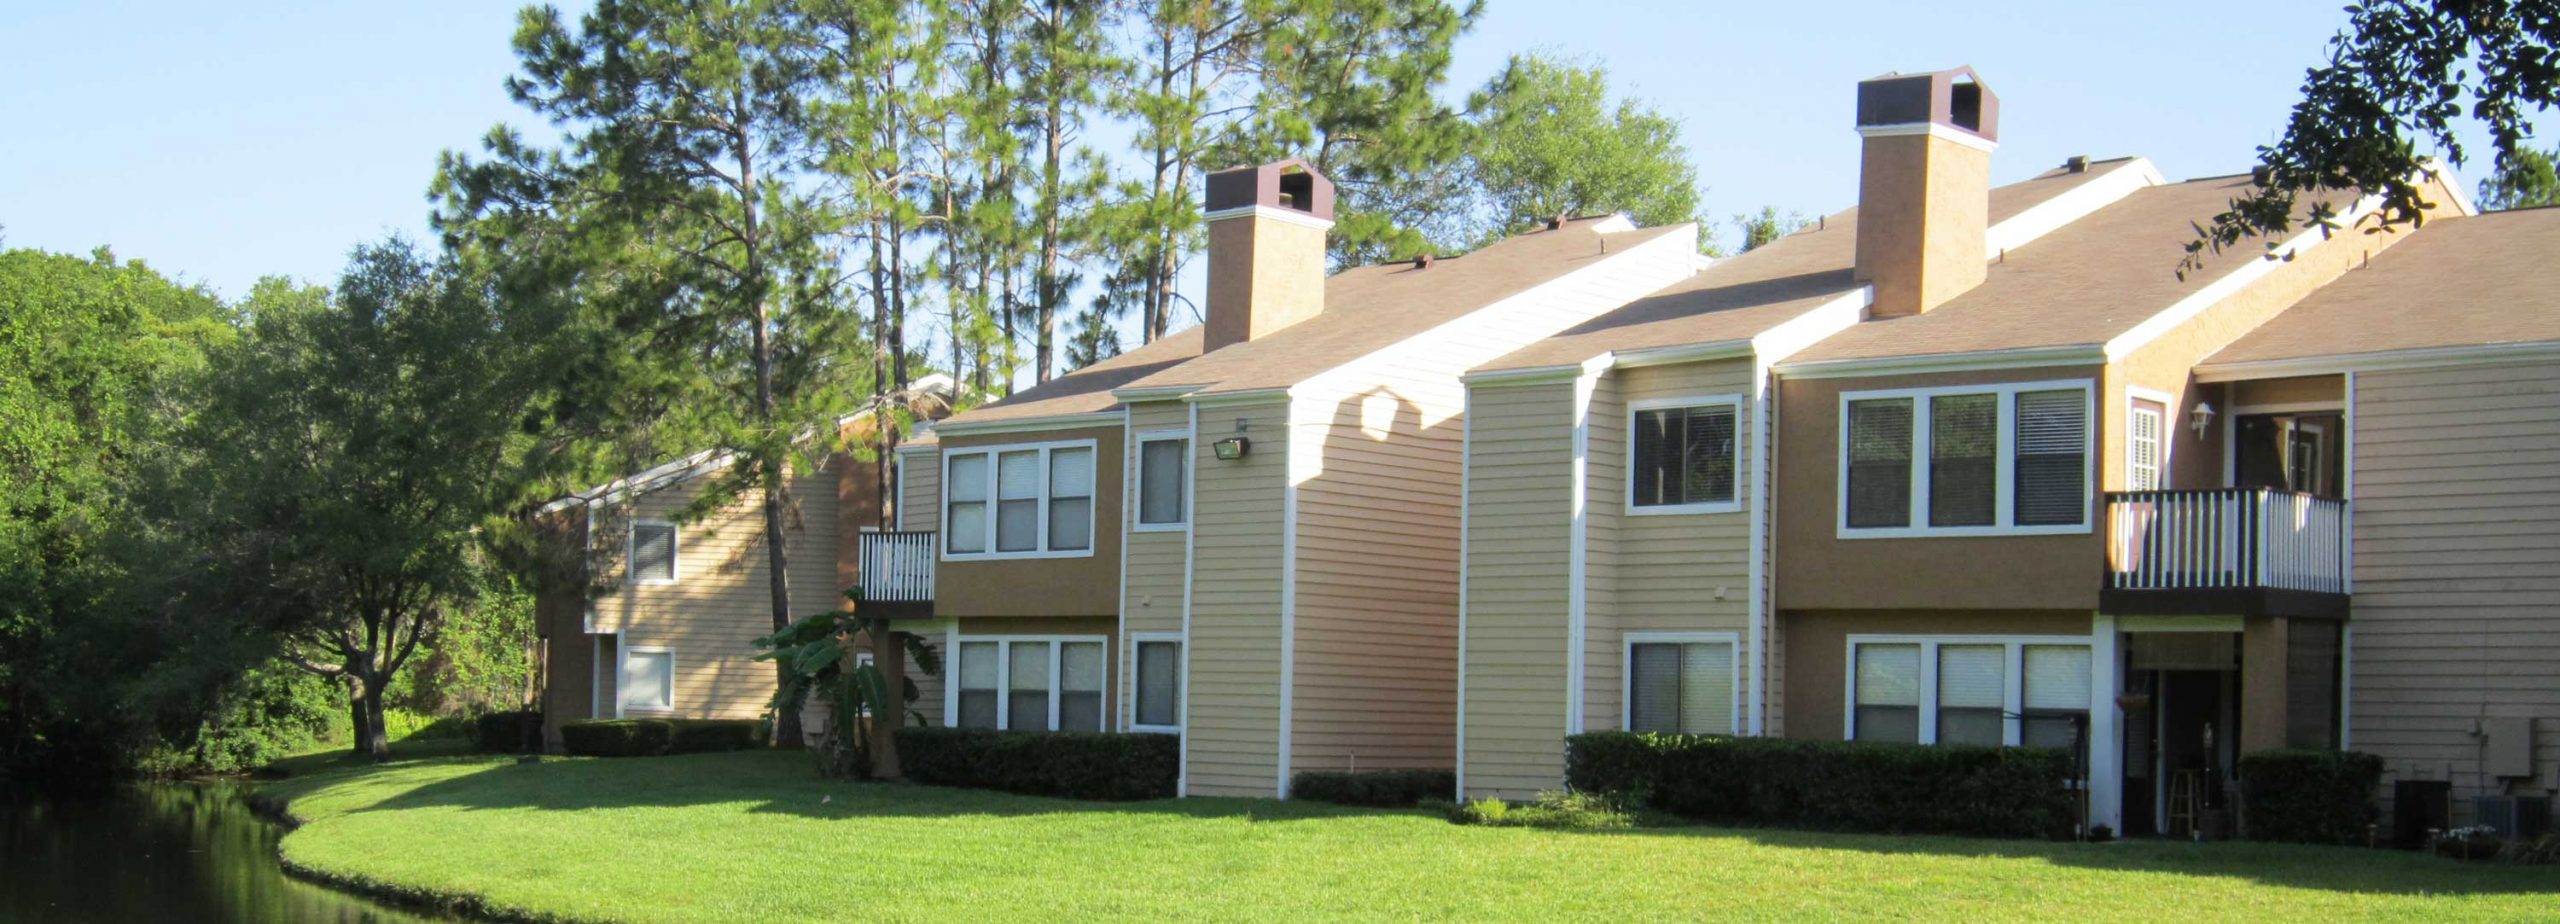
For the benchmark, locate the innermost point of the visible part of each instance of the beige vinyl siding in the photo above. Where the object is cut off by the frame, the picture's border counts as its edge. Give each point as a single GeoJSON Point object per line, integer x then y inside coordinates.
{"type": "Point", "coordinates": [1151, 592]}
{"type": "Point", "coordinates": [920, 490]}
{"type": "Point", "coordinates": [2457, 567]}
{"type": "Point", "coordinates": [721, 600]}
{"type": "Point", "coordinates": [1233, 735]}
{"type": "Point", "coordinates": [1519, 518]}
{"type": "Point", "coordinates": [1671, 573]}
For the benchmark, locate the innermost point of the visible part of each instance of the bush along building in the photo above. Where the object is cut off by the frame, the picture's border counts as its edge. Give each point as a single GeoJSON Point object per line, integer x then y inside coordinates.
{"type": "Point", "coordinates": [1963, 466]}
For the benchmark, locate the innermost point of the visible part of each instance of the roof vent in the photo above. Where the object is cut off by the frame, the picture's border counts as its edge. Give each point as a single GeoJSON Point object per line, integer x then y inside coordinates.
{"type": "Point", "coordinates": [1422, 262]}
{"type": "Point", "coordinates": [2077, 163]}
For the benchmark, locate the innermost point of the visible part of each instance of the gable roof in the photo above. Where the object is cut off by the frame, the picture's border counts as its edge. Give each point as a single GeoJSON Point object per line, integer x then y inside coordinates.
{"type": "Point", "coordinates": [2080, 285]}
{"type": "Point", "coordinates": [2483, 280]}
{"type": "Point", "coordinates": [1087, 390]}
{"type": "Point", "coordinates": [1741, 297]}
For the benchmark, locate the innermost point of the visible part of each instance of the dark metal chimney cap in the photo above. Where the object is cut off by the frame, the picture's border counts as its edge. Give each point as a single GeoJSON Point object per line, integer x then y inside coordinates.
{"type": "Point", "coordinates": [1290, 184]}
{"type": "Point", "coordinates": [1956, 98]}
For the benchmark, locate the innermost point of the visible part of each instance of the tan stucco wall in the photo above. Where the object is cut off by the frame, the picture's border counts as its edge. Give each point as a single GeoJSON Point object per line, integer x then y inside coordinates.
{"type": "Point", "coordinates": [1923, 207]}
{"type": "Point", "coordinates": [1818, 651]}
{"type": "Point", "coordinates": [1818, 570]}
{"type": "Point", "coordinates": [2457, 568]}
{"type": "Point", "coordinates": [1080, 586]}
{"type": "Point", "coordinates": [1264, 274]}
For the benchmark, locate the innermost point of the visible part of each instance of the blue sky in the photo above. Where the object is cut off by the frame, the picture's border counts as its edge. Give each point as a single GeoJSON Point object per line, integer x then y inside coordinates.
{"type": "Point", "coordinates": [224, 142]}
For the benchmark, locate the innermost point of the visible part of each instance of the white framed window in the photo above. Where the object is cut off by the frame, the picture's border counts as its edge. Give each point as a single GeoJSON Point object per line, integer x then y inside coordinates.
{"type": "Point", "coordinates": [2146, 441]}
{"type": "Point", "coordinates": [1028, 683]}
{"type": "Point", "coordinates": [1961, 689]}
{"type": "Point", "coordinates": [648, 680]}
{"type": "Point", "coordinates": [1164, 468]}
{"type": "Point", "coordinates": [1155, 703]}
{"type": "Point", "coordinates": [1682, 682]}
{"type": "Point", "coordinates": [652, 552]}
{"type": "Point", "coordinates": [1974, 460]}
{"type": "Point", "coordinates": [1029, 500]}
{"type": "Point", "coordinates": [1684, 455]}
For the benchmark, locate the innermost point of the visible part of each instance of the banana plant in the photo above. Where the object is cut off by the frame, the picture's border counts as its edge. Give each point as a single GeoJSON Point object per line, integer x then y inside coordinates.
{"type": "Point", "coordinates": [819, 655]}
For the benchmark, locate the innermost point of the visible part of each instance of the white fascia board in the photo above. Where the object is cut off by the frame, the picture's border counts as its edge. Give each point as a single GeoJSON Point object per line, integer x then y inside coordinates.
{"type": "Point", "coordinates": [2232, 283]}
{"type": "Point", "coordinates": [1288, 216]}
{"type": "Point", "coordinates": [2381, 361]}
{"type": "Point", "coordinates": [1933, 130]}
{"type": "Point", "coordinates": [2019, 358]}
{"type": "Point", "coordinates": [1237, 398]}
{"type": "Point", "coordinates": [1154, 392]}
{"type": "Point", "coordinates": [2059, 211]}
{"type": "Point", "coordinates": [958, 427]}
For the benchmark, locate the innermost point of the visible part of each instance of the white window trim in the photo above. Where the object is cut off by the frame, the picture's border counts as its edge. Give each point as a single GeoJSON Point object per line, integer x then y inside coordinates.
{"type": "Point", "coordinates": [2169, 418]}
{"type": "Point", "coordinates": [1181, 680]}
{"type": "Point", "coordinates": [622, 681]}
{"type": "Point", "coordinates": [1004, 678]}
{"type": "Point", "coordinates": [1741, 476]}
{"type": "Point", "coordinates": [1138, 482]}
{"type": "Point", "coordinates": [2013, 678]}
{"type": "Point", "coordinates": [675, 550]}
{"type": "Point", "coordinates": [1627, 670]}
{"type": "Point", "coordinates": [2004, 475]}
{"type": "Point", "coordinates": [993, 452]}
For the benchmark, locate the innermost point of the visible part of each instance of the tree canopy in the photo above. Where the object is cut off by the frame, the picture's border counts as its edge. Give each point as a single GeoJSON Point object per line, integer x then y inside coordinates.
{"type": "Point", "coordinates": [1549, 143]}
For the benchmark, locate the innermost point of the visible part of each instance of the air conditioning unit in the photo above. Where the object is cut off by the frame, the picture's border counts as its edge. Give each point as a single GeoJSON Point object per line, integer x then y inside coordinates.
{"type": "Point", "coordinates": [2514, 817]}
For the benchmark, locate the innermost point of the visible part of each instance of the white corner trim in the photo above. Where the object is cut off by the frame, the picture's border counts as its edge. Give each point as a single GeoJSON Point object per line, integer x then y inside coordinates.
{"type": "Point", "coordinates": [1304, 457]}
{"type": "Point", "coordinates": [2055, 213]}
{"type": "Point", "coordinates": [1578, 554]}
{"type": "Point", "coordinates": [1933, 130]}
{"type": "Point", "coordinates": [1735, 716]}
{"type": "Point", "coordinates": [1128, 691]}
{"type": "Point", "coordinates": [958, 426]}
{"type": "Point", "coordinates": [1466, 499]}
{"type": "Point", "coordinates": [1764, 455]}
{"type": "Point", "coordinates": [1190, 551]}
{"type": "Point", "coordinates": [2381, 361]}
{"type": "Point", "coordinates": [2248, 272]}
{"type": "Point", "coordinates": [1274, 213]}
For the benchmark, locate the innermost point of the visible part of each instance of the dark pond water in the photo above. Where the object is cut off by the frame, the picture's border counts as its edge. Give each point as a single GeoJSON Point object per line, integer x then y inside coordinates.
{"type": "Point", "coordinates": [168, 852]}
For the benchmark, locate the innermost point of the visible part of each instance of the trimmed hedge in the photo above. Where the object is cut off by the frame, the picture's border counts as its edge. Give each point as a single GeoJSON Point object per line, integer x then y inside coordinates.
{"type": "Point", "coordinates": [1071, 765]}
{"type": "Point", "coordinates": [505, 732]}
{"type": "Point", "coordinates": [1831, 785]}
{"type": "Point", "coordinates": [652, 737]}
{"type": "Point", "coordinates": [2310, 797]}
{"type": "Point", "coordinates": [1379, 788]}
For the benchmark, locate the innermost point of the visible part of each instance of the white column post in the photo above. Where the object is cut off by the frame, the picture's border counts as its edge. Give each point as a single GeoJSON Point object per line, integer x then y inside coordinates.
{"type": "Point", "coordinates": [2106, 730]}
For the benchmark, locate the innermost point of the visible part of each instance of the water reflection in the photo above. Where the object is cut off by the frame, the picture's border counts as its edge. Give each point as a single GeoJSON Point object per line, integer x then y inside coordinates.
{"type": "Point", "coordinates": [173, 852]}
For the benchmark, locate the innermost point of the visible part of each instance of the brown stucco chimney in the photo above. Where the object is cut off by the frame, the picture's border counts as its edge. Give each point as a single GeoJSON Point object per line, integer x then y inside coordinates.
{"type": "Point", "coordinates": [1924, 186]}
{"type": "Point", "coordinates": [1267, 227]}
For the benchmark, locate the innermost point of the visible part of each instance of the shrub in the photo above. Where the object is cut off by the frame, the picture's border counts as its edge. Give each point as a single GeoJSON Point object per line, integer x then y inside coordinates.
{"type": "Point", "coordinates": [617, 737]}
{"type": "Point", "coordinates": [702, 736]}
{"type": "Point", "coordinates": [2540, 851]}
{"type": "Point", "coordinates": [504, 732]}
{"type": "Point", "coordinates": [1379, 788]}
{"type": "Point", "coordinates": [2311, 797]}
{"type": "Point", "coordinates": [1566, 811]}
{"type": "Point", "coordinates": [1073, 765]}
{"type": "Point", "coordinates": [1830, 785]}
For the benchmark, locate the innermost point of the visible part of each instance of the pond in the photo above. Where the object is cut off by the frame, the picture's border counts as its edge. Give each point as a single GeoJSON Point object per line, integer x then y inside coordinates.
{"type": "Point", "coordinates": [174, 852]}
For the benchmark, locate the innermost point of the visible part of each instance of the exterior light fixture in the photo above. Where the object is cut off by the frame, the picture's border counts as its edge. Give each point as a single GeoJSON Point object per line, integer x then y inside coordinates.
{"type": "Point", "coordinates": [2201, 418]}
{"type": "Point", "coordinates": [1231, 448]}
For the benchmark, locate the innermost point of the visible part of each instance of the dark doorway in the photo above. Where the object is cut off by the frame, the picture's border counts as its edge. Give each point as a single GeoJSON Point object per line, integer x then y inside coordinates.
{"type": "Point", "coordinates": [2290, 452]}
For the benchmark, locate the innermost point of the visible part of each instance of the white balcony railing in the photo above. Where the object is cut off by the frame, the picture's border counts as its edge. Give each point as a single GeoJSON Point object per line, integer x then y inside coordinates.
{"type": "Point", "coordinates": [2233, 538]}
{"type": "Point", "coordinates": [897, 567]}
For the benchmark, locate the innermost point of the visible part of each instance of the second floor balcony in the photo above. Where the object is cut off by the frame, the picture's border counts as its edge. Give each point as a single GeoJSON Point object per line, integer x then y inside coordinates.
{"type": "Point", "coordinates": [896, 571]}
{"type": "Point", "coordinates": [2229, 551]}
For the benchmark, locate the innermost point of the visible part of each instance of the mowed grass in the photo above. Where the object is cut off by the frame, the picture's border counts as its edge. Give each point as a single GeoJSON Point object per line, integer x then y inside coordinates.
{"type": "Point", "coordinates": [755, 837]}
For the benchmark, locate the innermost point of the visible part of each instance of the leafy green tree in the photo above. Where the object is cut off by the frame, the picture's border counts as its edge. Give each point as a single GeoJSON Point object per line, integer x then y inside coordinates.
{"type": "Point", "coordinates": [1190, 70]}
{"type": "Point", "coordinates": [2523, 181]}
{"type": "Point", "coordinates": [1094, 339]}
{"type": "Point", "coordinates": [1767, 225]}
{"type": "Point", "coordinates": [1547, 143]}
{"type": "Point", "coordinates": [680, 198]}
{"type": "Point", "coordinates": [2400, 74]}
{"type": "Point", "coordinates": [341, 460]}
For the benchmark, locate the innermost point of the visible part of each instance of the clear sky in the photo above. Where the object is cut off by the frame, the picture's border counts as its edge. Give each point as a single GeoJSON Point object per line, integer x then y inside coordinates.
{"type": "Point", "coordinates": [223, 142]}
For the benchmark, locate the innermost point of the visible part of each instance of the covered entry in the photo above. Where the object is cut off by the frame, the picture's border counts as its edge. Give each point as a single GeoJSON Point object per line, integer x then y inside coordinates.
{"type": "Point", "coordinates": [2200, 691]}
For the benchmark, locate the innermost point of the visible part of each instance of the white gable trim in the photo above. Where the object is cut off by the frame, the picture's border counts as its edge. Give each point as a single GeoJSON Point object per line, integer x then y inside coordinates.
{"type": "Point", "coordinates": [2186, 309]}
{"type": "Point", "coordinates": [2055, 213]}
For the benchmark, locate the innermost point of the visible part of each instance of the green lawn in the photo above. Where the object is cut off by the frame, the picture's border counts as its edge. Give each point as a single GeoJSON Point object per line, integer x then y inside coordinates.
{"type": "Point", "coordinates": [754, 837]}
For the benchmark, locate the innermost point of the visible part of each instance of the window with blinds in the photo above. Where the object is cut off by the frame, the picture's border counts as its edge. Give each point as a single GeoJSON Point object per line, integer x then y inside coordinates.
{"type": "Point", "coordinates": [2052, 458]}
{"type": "Point", "coordinates": [1080, 686]}
{"type": "Point", "coordinates": [1972, 694]}
{"type": "Point", "coordinates": [981, 675]}
{"type": "Point", "coordinates": [1031, 684]}
{"type": "Point", "coordinates": [1680, 687]}
{"type": "Point", "coordinates": [2146, 434]}
{"type": "Point", "coordinates": [653, 552]}
{"type": "Point", "coordinates": [1879, 461]}
{"type": "Point", "coordinates": [1019, 501]}
{"type": "Point", "coordinates": [1159, 678]}
{"type": "Point", "coordinates": [649, 679]}
{"type": "Point", "coordinates": [1888, 694]}
{"type": "Point", "coordinates": [1161, 464]}
{"type": "Point", "coordinates": [2056, 696]}
{"type": "Point", "coordinates": [1938, 456]}
{"type": "Point", "coordinates": [1683, 456]}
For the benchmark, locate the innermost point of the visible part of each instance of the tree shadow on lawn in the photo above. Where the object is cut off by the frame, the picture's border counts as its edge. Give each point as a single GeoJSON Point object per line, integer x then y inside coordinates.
{"type": "Point", "coordinates": [784, 784]}
{"type": "Point", "coordinates": [2299, 866]}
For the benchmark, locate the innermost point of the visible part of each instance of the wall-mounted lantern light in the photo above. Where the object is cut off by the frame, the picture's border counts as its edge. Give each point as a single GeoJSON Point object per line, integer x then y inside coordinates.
{"type": "Point", "coordinates": [1231, 448]}
{"type": "Point", "coordinates": [2200, 418]}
